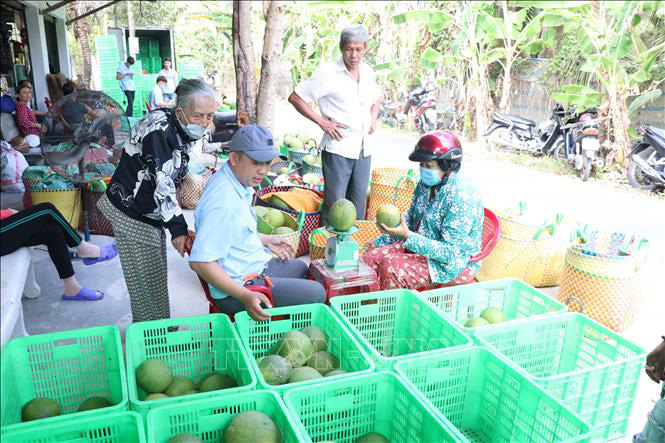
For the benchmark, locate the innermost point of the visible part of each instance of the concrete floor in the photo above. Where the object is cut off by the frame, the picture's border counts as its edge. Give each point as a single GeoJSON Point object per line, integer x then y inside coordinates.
{"type": "Point", "coordinates": [500, 183]}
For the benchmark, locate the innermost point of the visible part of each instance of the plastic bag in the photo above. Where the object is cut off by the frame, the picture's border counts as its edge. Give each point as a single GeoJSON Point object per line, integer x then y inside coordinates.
{"type": "Point", "coordinates": [13, 165]}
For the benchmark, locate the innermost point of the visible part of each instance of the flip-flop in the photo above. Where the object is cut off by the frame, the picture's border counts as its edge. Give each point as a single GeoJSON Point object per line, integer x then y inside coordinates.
{"type": "Point", "coordinates": [85, 294]}
{"type": "Point", "coordinates": [105, 253]}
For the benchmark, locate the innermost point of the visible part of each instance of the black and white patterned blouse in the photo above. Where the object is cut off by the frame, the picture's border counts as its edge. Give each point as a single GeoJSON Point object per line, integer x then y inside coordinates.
{"type": "Point", "coordinates": [153, 164]}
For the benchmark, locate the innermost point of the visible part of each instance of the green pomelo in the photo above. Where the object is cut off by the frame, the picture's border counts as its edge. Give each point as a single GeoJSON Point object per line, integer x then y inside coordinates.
{"type": "Point", "coordinates": [156, 396]}
{"type": "Point", "coordinates": [335, 372]}
{"type": "Point", "coordinates": [296, 144]}
{"type": "Point", "coordinates": [389, 215]}
{"type": "Point", "coordinates": [263, 227]}
{"type": "Point", "coordinates": [373, 437]}
{"type": "Point", "coordinates": [260, 211]}
{"type": "Point", "coordinates": [342, 215]}
{"type": "Point", "coordinates": [309, 159]}
{"type": "Point", "coordinates": [323, 362]}
{"type": "Point", "coordinates": [288, 139]}
{"type": "Point", "coordinates": [475, 322]}
{"type": "Point", "coordinates": [318, 338]}
{"type": "Point", "coordinates": [275, 369]}
{"type": "Point", "coordinates": [294, 346]}
{"type": "Point", "coordinates": [215, 382]}
{"type": "Point", "coordinates": [94, 403]}
{"type": "Point", "coordinates": [185, 438]}
{"type": "Point", "coordinates": [39, 408]}
{"type": "Point", "coordinates": [274, 217]}
{"type": "Point", "coordinates": [311, 178]}
{"type": "Point", "coordinates": [179, 386]}
{"type": "Point", "coordinates": [153, 375]}
{"type": "Point", "coordinates": [283, 230]}
{"type": "Point", "coordinates": [276, 201]}
{"type": "Point", "coordinates": [304, 373]}
{"type": "Point", "coordinates": [252, 426]}
{"type": "Point", "coordinates": [493, 315]}
{"type": "Point", "coordinates": [284, 171]}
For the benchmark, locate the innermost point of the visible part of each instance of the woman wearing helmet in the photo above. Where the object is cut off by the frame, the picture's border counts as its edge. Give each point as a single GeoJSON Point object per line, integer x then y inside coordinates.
{"type": "Point", "coordinates": [442, 229]}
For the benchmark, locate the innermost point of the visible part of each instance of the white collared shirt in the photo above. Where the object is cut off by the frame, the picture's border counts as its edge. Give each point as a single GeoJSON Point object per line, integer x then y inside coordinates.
{"type": "Point", "coordinates": [345, 101]}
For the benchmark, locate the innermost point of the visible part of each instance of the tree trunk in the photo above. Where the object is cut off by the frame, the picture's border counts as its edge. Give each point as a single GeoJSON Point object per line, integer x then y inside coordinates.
{"type": "Point", "coordinates": [243, 59]}
{"type": "Point", "coordinates": [82, 34]}
{"type": "Point", "coordinates": [507, 84]}
{"type": "Point", "coordinates": [270, 65]}
{"type": "Point", "coordinates": [130, 20]}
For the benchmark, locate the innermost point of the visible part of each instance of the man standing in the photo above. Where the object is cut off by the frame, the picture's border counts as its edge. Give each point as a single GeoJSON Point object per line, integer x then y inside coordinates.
{"type": "Point", "coordinates": [348, 99]}
{"type": "Point", "coordinates": [126, 77]}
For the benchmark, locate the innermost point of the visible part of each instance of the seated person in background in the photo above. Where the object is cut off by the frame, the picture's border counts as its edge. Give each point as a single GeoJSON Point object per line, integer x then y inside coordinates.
{"type": "Point", "coordinates": [27, 83]}
{"type": "Point", "coordinates": [228, 248]}
{"type": "Point", "coordinates": [42, 224]}
{"type": "Point", "coordinates": [73, 113]}
{"type": "Point", "coordinates": [442, 229]}
{"type": "Point", "coordinates": [157, 99]}
{"type": "Point", "coordinates": [25, 118]}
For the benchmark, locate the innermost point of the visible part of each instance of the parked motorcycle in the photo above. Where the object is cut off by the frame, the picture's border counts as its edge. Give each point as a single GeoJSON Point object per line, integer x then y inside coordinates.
{"type": "Point", "coordinates": [646, 166]}
{"type": "Point", "coordinates": [515, 132]}
{"type": "Point", "coordinates": [226, 125]}
{"type": "Point", "coordinates": [424, 103]}
{"type": "Point", "coordinates": [391, 114]}
{"type": "Point", "coordinates": [579, 142]}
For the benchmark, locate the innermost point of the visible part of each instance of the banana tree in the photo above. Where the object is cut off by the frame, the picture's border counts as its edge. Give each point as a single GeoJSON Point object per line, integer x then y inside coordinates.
{"type": "Point", "coordinates": [618, 59]}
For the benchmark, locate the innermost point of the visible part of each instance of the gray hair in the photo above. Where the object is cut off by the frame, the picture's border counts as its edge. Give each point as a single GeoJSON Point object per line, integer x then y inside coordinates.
{"type": "Point", "coordinates": [190, 90]}
{"type": "Point", "coordinates": [356, 33]}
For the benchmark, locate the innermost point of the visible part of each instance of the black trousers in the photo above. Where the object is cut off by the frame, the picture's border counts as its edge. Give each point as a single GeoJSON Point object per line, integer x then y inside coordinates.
{"type": "Point", "coordinates": [41, 224]}
{"type": "Point", "coordinates": [130, 102]}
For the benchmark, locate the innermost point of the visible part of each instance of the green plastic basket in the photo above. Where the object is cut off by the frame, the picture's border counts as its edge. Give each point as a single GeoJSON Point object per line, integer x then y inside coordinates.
{"type": "Point", "coordinates": [259, 336]}
{"type": "Point", "coordinates": [345, 410]}
{"type": "Point", "coordinates": [488, 399]}
{"type": "Point", "coordinates": [397, 323]}
{"type": "Point", "coordinates": [514, 297]}
{"type": "Point", "coordinates": [192, 347]}
{"type": "Point", "coordinates": [116, 427]}
{"type": "Point", "coordinates": [67, 367]}
{"type": "Point", "coordinates": [209, 418]}
{"type": "Point", "coordinates": [589, 367]}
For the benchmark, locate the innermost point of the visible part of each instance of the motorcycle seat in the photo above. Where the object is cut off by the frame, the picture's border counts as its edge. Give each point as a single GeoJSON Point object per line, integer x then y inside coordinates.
{"type": "Point", "coordinates": [514, 118]}
{"type": "Point", "coordinates": [656, 136]}
{"type": "Point", "coordinates": [224, 118]}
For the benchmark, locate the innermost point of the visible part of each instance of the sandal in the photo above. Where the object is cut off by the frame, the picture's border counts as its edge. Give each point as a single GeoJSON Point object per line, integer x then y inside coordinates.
{"type": "Point", "coordinates": [85, 294]}
{"type": "Point", "coordinates": [105, 253]}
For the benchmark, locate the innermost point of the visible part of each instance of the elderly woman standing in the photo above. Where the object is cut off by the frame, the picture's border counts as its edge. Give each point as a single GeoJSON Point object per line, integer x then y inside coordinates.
{"type": "Point", "coordinates": [141, 198]}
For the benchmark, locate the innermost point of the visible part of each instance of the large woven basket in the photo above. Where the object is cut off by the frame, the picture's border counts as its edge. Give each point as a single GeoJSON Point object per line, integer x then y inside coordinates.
{"type": "Point", "coordinates": [367, 230]}
{"type": "Point", "coordinates": [391, 186]}
{"type": "Point", "coordinates": [190, 190]}
{"type": "Point", "coordinates": [603, 281]}
{"type": "Point", "coordinates": [97, 223]}
{"type": "Point", "coordinates": [527, 251]}
{"type": "Point", "coordinates": [68, 202]}
{"type": "Point", "coordinates": [311, 220]}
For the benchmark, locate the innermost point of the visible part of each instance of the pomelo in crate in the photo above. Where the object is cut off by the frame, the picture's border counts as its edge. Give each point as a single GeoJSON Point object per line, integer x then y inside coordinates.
{"type": "Point", "coordinates": [252, 426]}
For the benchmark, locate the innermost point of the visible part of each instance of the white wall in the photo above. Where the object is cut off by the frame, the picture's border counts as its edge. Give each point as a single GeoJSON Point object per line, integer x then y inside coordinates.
{"type": "Point", "coordinates": [38, 55]}
{"type": "Point", "coordinates": [63, 48]}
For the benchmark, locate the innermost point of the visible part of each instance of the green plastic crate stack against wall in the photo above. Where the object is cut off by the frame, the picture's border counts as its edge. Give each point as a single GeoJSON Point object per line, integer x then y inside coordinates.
{"type": "Point", "coordinates": [488, 399]}
{"type": "Point", "coordinates": [198, 346]}
{"type": "Point", "coordinates": [189, 68]}
{"type": "Point", "coordinates": [589, 367]}
{"type": "Point", "coordinates": [259, 336]}
{"type": "Point", "coordinates": [345, 410]}
{"type": "Point", "coordinates": [67, 367]}
{"type": "Point", "coordinates": [210, 417]}
{"type": "Point", "coordinates": [397, 323]}
{"type": "Point", "coordinates": [116, 427]}
{"type": "Point", "coordinates": [515, 298]}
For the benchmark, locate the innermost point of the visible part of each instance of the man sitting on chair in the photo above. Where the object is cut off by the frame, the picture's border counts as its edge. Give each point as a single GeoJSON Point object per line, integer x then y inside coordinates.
{"type": "Point", "coordinates": [229, 253]}
{"type": "Point", "coordinates": [442, 229]}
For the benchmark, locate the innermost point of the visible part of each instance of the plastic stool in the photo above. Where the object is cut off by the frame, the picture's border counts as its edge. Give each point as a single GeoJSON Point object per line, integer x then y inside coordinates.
{"type": "Point", "coordinates": [363, 279]}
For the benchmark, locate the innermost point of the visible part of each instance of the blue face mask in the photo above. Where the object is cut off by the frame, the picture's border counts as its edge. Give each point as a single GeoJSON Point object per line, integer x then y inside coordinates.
{"type": "Point", "coordinates": [194, 131]}
{"type": "Point", "coordinates": [430, 177]}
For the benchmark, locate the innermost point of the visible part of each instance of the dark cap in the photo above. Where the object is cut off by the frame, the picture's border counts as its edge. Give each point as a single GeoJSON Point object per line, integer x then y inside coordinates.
{"type": "Point", "coordinates": [255, 141]}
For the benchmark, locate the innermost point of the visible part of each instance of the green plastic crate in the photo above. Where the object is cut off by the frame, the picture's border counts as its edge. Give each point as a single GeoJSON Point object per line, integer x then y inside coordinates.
{"type": "Point", "coordinates": [259, 337]}
{"type": "Point", "coordinates": [67, 367]}
{"type": "Point", "coordinates": [394, 324]}
{"type": "Point", "coordinates": [488, 399]}
{"type": "Point", "coordinates": [200, 345]}
{"type": "Point", "coordinates": [209, 418]}
{"type": "Point", "coordinates": [590, 368]}
{"type": "Point", "coordinates": [117, 427]}
{"type": "Point", "coordinates": [345, 410]}
{"type": "Point", "coordinates": [514, 297]}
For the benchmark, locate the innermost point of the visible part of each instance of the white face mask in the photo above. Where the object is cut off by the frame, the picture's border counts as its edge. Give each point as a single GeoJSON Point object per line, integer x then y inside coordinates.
{"type": "Point", "coordinates": [194, 131]}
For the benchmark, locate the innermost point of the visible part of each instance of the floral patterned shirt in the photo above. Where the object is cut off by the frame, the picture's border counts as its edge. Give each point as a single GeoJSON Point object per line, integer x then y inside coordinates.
{"type": "Point", "coordinates": [153, 164]}
{"type": "Point", "coordinates": [447, 230]}
{"type": "Point", "coordinates": [24, 118]}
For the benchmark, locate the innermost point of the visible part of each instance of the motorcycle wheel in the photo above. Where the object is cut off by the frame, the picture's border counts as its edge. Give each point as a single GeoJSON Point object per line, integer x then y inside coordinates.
{"type": "Point", "coordinates": [637, 179]}
{"type": "Point", "coordinates": [586, 169]}
{"type": "Point", "coordinates": [499, 134]}
{"type": "Point", "coordinates": [560, 151]}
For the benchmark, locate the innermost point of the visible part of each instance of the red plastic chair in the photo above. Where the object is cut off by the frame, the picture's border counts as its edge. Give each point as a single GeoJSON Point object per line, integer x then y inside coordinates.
{"type": "Point", "coordinates": [490, 236]}
{"type": "Point", "coordinates": [212, 309]}
{"type": "Point", "coordinates": [147, 106]}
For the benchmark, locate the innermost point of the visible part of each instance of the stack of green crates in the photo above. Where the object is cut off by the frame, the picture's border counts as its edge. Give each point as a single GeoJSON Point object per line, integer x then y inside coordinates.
{"type": "Point", "coordinates": [108, 57]}
{"type": "Point", "coordinates": [149, 55]}
{"type": "Point", "coordinates": [190, 69]}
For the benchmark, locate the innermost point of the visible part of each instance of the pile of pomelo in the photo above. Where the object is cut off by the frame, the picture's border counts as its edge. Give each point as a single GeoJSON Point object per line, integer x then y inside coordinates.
{"type": "Point", "coordinates": [299, 356]}
{"type": "Point", "coordinates": [247, 426]}
{"type": "Point", "coordinates": [299, 140]}
{"type": "Point", "coordinates": [45, 407]}
{"type": "Point", "coordinates": [275, 219]}
{"type": "Point", "coordinates": [489, 316]}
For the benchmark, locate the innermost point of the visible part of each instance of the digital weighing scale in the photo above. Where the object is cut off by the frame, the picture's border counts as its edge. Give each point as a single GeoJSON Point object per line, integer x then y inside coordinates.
{"type": "Point", "coordinates": [342, 251]}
